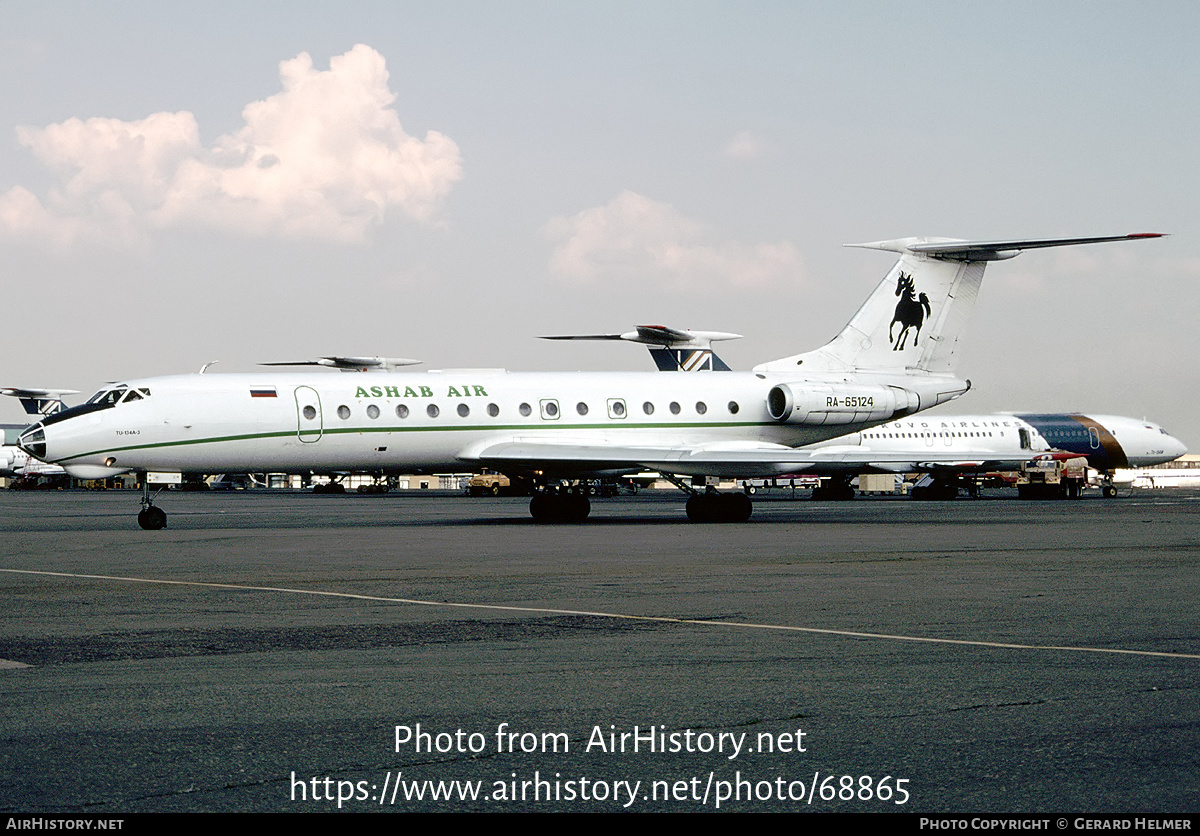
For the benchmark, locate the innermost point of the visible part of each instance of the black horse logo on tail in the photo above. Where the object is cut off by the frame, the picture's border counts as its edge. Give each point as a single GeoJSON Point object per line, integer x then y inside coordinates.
{"type": "Point", "coordinates": [911, 311]}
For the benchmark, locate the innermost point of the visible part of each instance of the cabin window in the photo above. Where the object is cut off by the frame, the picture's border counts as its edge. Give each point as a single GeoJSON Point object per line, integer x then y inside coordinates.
{"type": "Point", "coordinates": [733, 407]}
{"type": "Point", "coordinates": [648, 408]}
{"type": "Point", "coordinates": [525, 409]}
{"type": "Point", "coordinates": [701, 407]}
{"type": "Point", "coordinates": [402, 411]}
{"type": "Point", "coordinates": [550, 410]}
{"type": "Point", "coordinates": [581, 408]}
{"type": "Point", "coordinates": [616, 408]}
{"type": "Point", "coordinates": [493, 410]}
{"type": "Point", "coordinates": [675, 408]}
{"type": "Point", "coordinates": [432, 411]}
{"type": "Point", "coordinates": [372, 411]}
{"type": "Point", "coordinates": [309, 412]}
{"type": "Point", "coordinates": [463, 410]}
{"type": "Point", "coordinates": [343, 412]}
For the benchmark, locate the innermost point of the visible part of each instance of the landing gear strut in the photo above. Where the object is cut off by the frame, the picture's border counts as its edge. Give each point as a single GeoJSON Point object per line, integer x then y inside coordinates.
{"type": "Point", "coordinates": [940, 490]}
{"type": "Point", "coordinates": [839, 489]}
{"type": "Point", "coordinates": [151, 517]}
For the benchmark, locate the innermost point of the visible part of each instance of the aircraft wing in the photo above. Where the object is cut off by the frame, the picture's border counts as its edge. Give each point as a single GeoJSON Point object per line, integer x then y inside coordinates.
{"type": "Point", "coordinates": [731, 460]}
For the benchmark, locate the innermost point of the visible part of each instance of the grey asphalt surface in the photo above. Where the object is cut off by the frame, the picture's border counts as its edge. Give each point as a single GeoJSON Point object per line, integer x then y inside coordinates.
{"type": "Point", "coordinates": [266, 642]}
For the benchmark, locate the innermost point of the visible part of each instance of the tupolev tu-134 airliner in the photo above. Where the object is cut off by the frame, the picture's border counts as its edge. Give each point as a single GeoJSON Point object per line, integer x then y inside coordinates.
{"type": "Point", "coordinates": [894, 358]}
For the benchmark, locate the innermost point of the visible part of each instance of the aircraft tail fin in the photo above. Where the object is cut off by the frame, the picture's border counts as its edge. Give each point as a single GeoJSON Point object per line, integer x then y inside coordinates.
{"type": "Point", "coordinates": [688, 360]}
{"type": "Point", "coordinates": [916, 318]}
{"type": "Point", "coordinates": [672, 349]}
{"type": "Point", "coordinates": [39, 401]}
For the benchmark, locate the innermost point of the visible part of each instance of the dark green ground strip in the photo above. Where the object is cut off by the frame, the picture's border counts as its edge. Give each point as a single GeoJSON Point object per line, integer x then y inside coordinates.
{"type": "Point", "coordinates": [378, 430]}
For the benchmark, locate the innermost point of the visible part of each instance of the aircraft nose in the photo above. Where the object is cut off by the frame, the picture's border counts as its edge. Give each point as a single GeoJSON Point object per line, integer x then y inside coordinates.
{"type": "Point", "coordinates": [33, 441]}
{"type": "Point", "coordinates": [1176, 447]}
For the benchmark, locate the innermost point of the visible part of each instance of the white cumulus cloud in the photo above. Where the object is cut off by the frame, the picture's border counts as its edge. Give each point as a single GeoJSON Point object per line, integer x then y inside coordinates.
{"type": "Point", "coordinates": [745, 146]}
{"type": "Point", "coordinates": [635, 239]}
{"type": "Point", "coordinates": [324, 158]}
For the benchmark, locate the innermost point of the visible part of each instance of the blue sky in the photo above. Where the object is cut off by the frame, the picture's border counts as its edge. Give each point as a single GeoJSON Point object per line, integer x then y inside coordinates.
{"type": "Point", "coordinates": [265, 181]}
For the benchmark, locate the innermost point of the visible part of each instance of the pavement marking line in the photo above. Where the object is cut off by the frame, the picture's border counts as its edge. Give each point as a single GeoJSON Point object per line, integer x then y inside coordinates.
{"type": "Point", "coordinates": [653, 618]}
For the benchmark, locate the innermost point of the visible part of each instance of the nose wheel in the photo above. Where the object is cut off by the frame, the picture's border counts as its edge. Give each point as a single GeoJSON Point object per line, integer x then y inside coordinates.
{"type": "Point", "coordinates": [151, 517]}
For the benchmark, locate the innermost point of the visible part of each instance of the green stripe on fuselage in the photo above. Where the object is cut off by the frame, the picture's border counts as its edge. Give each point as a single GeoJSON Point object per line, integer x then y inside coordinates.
{"type": "Point", "coordinates": [365, 430]}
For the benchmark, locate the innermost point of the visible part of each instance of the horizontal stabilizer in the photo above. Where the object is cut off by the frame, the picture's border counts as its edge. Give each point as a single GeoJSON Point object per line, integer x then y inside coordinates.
{"type": "Point", "coordinates": [352, 364]}
{"type": "Point", "coordinates": [658, 335]}
{"type": "Point", "coordinates": [953, 250]}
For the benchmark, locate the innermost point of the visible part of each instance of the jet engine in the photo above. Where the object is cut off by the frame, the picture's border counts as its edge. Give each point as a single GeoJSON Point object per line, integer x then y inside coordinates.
{"type": "Point", "coordinates": [824, 404]}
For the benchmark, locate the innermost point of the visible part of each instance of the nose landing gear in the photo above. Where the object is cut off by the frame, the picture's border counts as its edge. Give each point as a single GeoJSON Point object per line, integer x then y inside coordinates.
{"type": "Point", "coordinates": [151, 517]}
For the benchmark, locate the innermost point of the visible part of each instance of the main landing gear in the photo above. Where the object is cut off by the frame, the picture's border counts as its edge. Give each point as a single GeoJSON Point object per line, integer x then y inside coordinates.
{"type": "Point", "coordinates": [151, 517]}
{"type": "Point", "coordinates": [717, 507]}
{"type": "Point", "coordinates": [570, 504]}
{"type": "Point", "coordinates": [712, 506]}
{"type": "Point", "coordinates": [560, 505]}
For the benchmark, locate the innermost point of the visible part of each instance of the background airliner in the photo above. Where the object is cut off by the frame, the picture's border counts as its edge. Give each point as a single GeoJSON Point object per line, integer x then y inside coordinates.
{"type": "Point", "coordinates": [947, 446]}
{"type": "Point", "coordinates": [894, 358]}
{"type": "Point", "coordinates": [15, 463]}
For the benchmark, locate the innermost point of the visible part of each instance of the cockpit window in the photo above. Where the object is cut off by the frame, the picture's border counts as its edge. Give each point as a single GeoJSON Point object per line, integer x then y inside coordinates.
{"type": "Point", "coordinates": [132, 396]}
{"type": "Point", "coordinates": [108, 397]}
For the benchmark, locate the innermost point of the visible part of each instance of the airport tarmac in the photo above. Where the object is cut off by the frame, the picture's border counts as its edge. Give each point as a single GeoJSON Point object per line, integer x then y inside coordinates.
{"type": "Point", "coordinates": [270, 651]}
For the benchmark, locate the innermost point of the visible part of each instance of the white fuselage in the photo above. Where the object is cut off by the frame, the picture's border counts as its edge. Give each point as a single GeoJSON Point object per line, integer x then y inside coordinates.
{"type": "Point", "coordinates": [393, 422]}
{"type": "Point", "coordinates": [1107, 441]}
